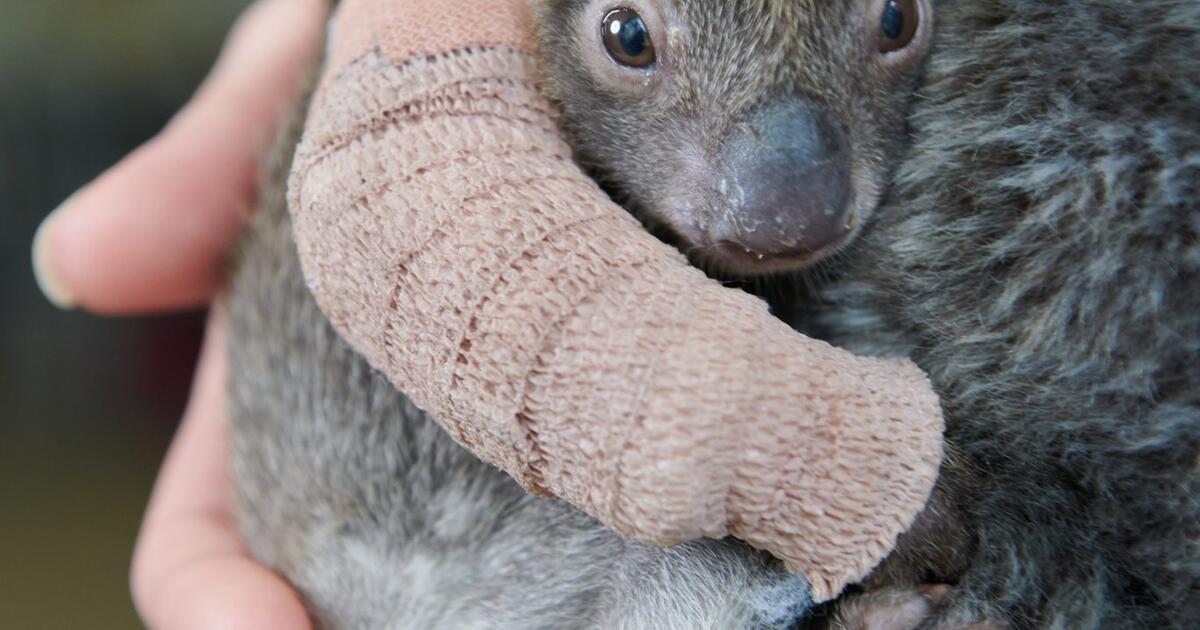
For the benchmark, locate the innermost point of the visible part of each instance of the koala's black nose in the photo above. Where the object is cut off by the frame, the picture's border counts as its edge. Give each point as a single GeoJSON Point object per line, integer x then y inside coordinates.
{"type": "Point", "coordinates": [784, 189]}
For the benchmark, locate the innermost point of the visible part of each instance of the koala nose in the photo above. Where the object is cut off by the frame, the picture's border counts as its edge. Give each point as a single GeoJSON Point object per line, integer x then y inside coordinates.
{"type": "Point", "coordinates": [785, 188]}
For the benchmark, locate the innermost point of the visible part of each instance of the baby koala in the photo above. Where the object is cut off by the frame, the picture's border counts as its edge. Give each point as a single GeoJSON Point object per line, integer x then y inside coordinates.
{"type": "Point", "coordinates": [381, 521]}
{"type": "Point", "coordinates": [968, 199]}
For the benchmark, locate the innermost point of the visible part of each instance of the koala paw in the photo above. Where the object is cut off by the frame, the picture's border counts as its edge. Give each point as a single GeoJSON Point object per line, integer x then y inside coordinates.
{"type": "Point", "coordinates": [896, 609]}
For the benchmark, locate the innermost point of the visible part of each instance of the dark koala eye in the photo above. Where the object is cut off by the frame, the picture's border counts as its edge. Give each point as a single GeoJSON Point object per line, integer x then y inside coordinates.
{"type": "Point", "coordinates": [627, 39]}
{"type": "Point", "coordinates": [898, 24]}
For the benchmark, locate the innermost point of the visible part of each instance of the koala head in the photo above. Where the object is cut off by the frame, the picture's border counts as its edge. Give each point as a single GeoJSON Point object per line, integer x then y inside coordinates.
{"type": "Point", "coordinates": [759, 133]}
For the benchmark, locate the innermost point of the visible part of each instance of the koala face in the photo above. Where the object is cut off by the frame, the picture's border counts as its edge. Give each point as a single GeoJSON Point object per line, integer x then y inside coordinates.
{"type": "Point", "coordinates": [759, 133]}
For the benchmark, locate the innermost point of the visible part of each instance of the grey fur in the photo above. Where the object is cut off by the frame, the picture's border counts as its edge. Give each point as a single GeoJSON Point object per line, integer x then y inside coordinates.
{"type": "Point", "coordinates": [1036, 252]}
{"type": "Point", "coordinates": [1038, 256]}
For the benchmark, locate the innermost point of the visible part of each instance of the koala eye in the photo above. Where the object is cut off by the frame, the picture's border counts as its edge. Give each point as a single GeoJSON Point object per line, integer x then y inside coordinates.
{"type": "Point", "coordinates": [627, 39]}
{"type": "Point", "coordinates": [897, 24]}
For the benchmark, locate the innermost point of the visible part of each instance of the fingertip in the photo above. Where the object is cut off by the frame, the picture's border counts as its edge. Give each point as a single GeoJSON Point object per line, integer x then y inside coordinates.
{"type": "Point", "coordinates": [45, 268]}
{"type": "Point", "coordinates": [254, 599]}
{"type": "Point", "coordinates": [226, 592]}
{"type": "Point", "coordinates": [150, 233]}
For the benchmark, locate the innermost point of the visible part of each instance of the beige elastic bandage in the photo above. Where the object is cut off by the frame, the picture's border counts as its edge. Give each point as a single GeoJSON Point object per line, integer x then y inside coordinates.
{"type": "Point", "coordinates": [449, 237]}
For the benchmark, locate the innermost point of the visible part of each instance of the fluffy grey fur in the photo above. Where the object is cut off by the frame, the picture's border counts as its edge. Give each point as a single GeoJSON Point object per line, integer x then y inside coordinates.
{"type": "Point", "coordinates": [1036, 252]}
{"type": "Point", "coordinates": [1038, 256]}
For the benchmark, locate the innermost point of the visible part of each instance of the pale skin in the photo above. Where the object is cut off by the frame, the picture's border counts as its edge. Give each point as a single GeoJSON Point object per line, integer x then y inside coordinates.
{"type": "Point", "coordinates": [151, 234]}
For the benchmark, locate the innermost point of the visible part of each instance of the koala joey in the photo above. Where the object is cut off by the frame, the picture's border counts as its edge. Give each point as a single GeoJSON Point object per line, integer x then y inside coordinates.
{"type": "Point", "coordinates": [1003, 190]}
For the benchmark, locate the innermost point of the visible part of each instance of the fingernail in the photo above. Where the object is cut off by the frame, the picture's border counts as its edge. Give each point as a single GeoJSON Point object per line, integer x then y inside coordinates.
{"type": "Point", "coordinates": [43, 272]}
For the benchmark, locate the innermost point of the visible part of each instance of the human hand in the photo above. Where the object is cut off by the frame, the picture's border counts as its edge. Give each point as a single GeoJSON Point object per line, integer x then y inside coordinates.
{"type": "Point", "coordinates": [151, 234]}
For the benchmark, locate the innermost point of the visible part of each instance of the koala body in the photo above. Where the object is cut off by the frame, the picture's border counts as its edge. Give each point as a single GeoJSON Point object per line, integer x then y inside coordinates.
{"type": "Point", "coordinates": [1005, 191]}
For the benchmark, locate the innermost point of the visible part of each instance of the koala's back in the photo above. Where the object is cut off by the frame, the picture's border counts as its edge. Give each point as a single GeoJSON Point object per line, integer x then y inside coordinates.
{"type": "Point", "coordinates": [1038, 256]}
{"type": "Point", "coordinates": [382, 521]}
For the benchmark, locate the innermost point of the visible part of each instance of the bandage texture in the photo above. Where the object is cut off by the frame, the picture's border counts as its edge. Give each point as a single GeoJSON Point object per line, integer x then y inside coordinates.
{"type": "Point", "coordinates": [446, 233]}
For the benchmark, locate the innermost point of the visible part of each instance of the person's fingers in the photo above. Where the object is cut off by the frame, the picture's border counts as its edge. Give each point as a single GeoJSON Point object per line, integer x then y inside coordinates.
{"type": "Point", "coordinates": [151, 233]}
{"type": "Point", "coordinates": [190, 569]}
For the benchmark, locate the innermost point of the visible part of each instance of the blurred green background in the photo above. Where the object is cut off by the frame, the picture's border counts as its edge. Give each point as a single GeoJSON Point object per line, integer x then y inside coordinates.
{"type": "Point", "coordinates": [87, 405]}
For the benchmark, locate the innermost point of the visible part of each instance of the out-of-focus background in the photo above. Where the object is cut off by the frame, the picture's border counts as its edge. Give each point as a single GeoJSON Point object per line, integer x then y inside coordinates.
{"type": "Point", "coordinates": [87, 405]}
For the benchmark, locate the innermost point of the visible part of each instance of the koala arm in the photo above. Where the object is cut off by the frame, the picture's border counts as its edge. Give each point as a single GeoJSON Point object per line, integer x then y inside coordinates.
{"type": "Point", "coordinates": [448, 236]}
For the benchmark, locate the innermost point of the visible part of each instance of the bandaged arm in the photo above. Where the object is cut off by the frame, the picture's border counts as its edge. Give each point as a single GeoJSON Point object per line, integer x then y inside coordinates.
{"type": "Point", "coordinates": [449, 237]}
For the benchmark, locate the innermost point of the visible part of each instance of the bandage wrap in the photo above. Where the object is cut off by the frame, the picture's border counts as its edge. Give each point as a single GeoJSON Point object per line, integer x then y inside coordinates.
{"type": "Point", "coordinates": [448, 236]}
